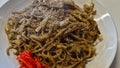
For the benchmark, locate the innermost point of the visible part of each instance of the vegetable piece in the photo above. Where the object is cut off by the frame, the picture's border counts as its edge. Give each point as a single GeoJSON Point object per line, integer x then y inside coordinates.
{"type": "Point", "coordinates": [28, 61]}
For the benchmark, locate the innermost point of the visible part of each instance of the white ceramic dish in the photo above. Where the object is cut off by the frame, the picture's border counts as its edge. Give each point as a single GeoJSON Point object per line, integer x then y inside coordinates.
{"type": "Point", "coordinates": [105, 50]}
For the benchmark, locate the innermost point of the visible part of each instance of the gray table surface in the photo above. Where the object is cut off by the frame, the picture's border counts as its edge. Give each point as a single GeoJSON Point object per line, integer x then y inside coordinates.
{"type": "Point", "coordinates": [113, 7]}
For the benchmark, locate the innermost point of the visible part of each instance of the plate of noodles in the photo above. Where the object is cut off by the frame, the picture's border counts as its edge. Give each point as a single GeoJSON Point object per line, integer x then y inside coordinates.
{"type": "Point", "coordinates": [56, 34]}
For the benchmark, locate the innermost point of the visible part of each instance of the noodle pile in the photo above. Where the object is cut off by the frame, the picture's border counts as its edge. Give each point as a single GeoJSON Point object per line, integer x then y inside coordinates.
{"type": "Point", "coordinates": [59, 33]}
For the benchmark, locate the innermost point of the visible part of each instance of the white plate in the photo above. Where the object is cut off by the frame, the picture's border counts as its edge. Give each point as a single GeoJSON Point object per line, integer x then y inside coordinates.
{"type": "Point", "coordinates": [105, 50]}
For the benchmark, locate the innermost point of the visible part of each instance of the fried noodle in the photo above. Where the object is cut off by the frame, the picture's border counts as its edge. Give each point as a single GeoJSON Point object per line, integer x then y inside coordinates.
{"type": "Point", "coordinates": [59, 33]}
